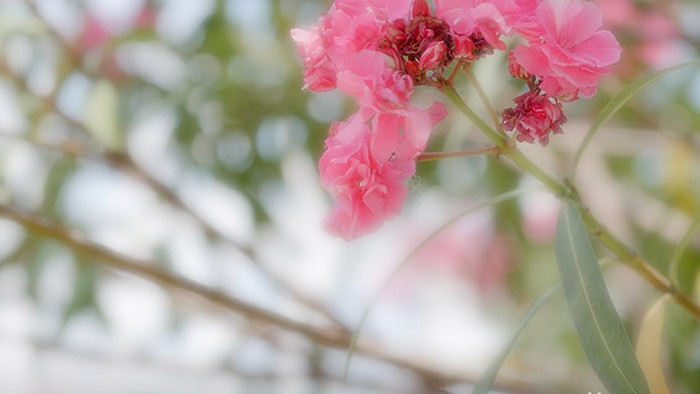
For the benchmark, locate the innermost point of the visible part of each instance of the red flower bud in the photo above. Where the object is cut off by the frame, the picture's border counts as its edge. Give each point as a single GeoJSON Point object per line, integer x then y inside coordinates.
{"type": "Point", "coordinates": [433, 56]}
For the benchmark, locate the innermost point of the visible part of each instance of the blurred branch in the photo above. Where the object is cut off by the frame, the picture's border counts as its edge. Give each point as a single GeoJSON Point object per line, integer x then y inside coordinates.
{"type": "Point", "coordinates": [52, 346]}
{"type": "Point", "coordinates": [330, 337]}
{"type": "Point", "coordinates": [69, 147]}
{"type": "Point", "coordinates": [124, 162]}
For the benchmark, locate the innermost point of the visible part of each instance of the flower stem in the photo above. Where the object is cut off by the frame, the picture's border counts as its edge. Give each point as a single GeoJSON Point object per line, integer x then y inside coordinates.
{"type": "Point", "coordinates": [459, 153]}
{"type": "Point", "coordinates": [487, 103]}
{"type": "Point", "coordinates": [455, 98]}
{"type": "Point", "coordinates": [630, 258]}
{"type": "Point", "coordinates": [451, 79]}
{"type": "Point", "coordinates": [567, 191]}
{"type": "Point", "coordinates": [506, 147]}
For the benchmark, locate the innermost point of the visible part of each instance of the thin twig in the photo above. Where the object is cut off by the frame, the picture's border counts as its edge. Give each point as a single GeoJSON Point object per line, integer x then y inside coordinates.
{"type": "Point", "coordinates": [484, 99]}
{"type": "Point", "coordinates": [52, 346]}
{"type": "Point", "coordinates": [425, 156]}
{"type": "Point", "coordinates": [124, 162]}
{"type": "Point", "coordinates": [451, 79]}
{"type": "Point", "coordinates": [330, 337]}
{"type": "Point", "coordinates": [68, 147]}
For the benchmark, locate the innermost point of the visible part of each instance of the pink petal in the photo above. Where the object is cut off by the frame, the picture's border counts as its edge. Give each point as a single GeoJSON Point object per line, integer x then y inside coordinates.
{"type": "Point", "coordinates": [600, 49]}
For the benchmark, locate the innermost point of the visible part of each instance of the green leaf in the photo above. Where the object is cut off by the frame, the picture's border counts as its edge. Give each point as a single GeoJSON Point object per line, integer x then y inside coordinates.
{"type": "Point", "coordinates": [101, 116]}
{"type": "Point", "coordinates": [11, 23]}
{"type": "Point", "coordinates": [649, 346]}
{"type": "Point", "coordinates": [680, 249]}
{"type": "Point", "coordinates": [84, 292]}
{"type": "Point", "coordinates": [603, 337]}
{"type": "Point", "coordinates": [483, 385]}
{"type": "Point", "coordinates": [617, 102]}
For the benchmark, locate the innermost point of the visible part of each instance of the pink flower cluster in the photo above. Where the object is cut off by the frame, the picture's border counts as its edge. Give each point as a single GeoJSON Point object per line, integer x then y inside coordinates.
{"type": "Point", "coordinates": [563, 60]}
{"type": "Point", "coordinates": [378, 50]}
{"type": "Point", "coordinates": [534, 117]}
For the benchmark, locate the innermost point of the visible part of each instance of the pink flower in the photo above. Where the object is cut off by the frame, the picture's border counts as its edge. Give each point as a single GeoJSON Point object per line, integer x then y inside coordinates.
{"type": "Point", "coordinates": [476, 18]}
{"type": "Point", "coordinates": [572, 53]}
{"type": "Point", "coordinates": [368, 188]}
{"type": "Point", "coordinates": [346, 29]}
{"type": "Point", "coordinates": [403, 134]}
{"type": "Point", "coordinates": [367, 76]}
{"type": "Point", "coordinates": [421, 46]}
{"type": "Point", "coordinates": [521, 17]}
{"type": "Point", "coordinates": [366, 161]}
{"type": "Point", "coordinates": [515, 69]}
{"type": "Point", "coordinates": [534, 117]}
{"type": "Point", "coordinates": [435, 54]}
{"type": "Point", "coordinates": [319, 71]}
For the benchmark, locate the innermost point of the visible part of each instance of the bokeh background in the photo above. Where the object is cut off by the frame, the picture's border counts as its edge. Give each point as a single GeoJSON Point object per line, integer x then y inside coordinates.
{"type": "Point", "coordinates": [175, 135]}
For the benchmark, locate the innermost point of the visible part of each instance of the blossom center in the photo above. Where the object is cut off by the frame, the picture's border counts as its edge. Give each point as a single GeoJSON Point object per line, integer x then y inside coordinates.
{"type": "Point", "coordinates": [421, 48]}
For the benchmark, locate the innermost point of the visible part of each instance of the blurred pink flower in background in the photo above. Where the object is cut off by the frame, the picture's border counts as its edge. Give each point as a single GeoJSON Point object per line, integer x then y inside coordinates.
{"type": "Point", "coordinates": [660, 46]}
{"type": "Point", "coordinates": [540, 211]}
{"type": "Point", "coordinates": [649, 32]}
{"type": "Point", "coordinates": [96, 34]}
{"type": "Point", "coordinates": [470, 249]}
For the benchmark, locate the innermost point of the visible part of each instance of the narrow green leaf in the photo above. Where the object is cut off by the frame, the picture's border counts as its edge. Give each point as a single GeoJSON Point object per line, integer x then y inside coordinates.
{"type": "Point", "coordinates": [680, 249]}
{"type": "Point", "coordinates": [356, 333]}
{"type": "Point", "coordinates": [617, 102]}
{"type": "Point", "coordinates": [483, 385]}
{"type": "Point", "coordinates": [649, 346]}
{"type": "Point", "coordinates": [603, 337]}
{"type": "Point", "coordinates": [11, 23]}
{"type": "Point", "coordinates": [101, 116]}
{"type": "Point", "coordinates": [84, 291]}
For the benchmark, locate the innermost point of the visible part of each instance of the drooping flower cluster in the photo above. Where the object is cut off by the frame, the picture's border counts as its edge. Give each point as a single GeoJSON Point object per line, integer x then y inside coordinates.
{"type": "Point", "coordinates": [534, 117]}
{"type": "Point", "coordinates": [563, 60]}
{"type": "Point", "coordinates": [378, 50]}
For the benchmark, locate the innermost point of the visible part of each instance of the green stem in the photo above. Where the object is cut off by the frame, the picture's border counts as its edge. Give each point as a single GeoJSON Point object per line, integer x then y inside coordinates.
{"type": "Point", "coordinates": [484, 99]}
{"type": "Point", "coordinates": [630, 258]}
{"type": "Point", "coordinates": [566, 191]}
{"type": "Point", "coordinates": [458, 153]}
{"type": "Point", "coordinates": [498, 139]}
{"type": "Point", "coordinates": [507, 149]}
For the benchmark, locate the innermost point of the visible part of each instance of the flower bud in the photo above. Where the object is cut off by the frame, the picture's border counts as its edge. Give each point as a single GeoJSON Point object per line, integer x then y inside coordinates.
{"type": "Point", "coordinates": [464, 48]}
{"type": "Point", "coordinates": [433, 56]}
